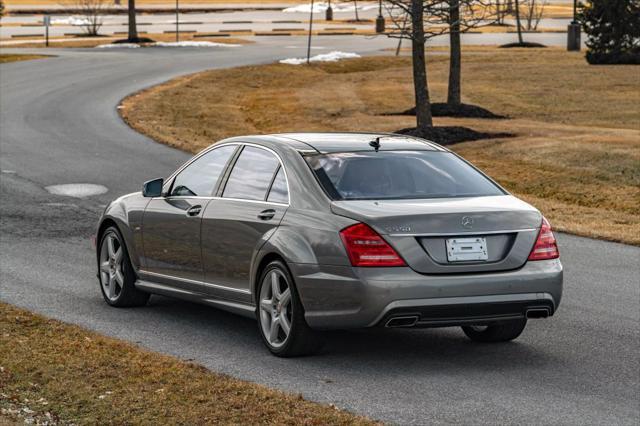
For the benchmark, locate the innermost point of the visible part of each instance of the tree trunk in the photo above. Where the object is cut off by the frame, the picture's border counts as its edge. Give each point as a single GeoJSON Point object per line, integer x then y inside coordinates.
{"type": "Point", "coordinates": [453, 94]}
{"type": "Point", "coordinates": [133, 32]}
{"type": "Point", "coordinates": [518, 23]}
{"type": "Point", "coordinates": [423, 105]}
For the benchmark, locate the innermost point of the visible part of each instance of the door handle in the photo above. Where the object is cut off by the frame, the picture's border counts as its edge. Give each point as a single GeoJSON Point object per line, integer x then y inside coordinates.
{"type": "Point", "coordinates": [194, 211]}
{"type": "Point", "coordinates": [266, 214]}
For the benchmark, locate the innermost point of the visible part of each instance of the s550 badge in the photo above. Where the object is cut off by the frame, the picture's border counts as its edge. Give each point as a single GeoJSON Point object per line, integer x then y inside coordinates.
{"type": "Point", "coordinates": [399, 228]}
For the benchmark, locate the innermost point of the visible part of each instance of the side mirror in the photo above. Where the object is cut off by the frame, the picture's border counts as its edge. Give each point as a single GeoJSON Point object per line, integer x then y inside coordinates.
{"type": "Point", "coordinates": [152, 188]}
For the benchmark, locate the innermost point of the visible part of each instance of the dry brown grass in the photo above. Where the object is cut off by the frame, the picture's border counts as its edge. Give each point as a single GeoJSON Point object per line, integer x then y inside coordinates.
{"type": "Point", "coordinates": [90, 379]}
{"type": "Point", "coordinates": [10, 57]}
{"type": "Point", "coordinates": [70, 42]}
{"type": "Point", "coordinates": [576, 155]}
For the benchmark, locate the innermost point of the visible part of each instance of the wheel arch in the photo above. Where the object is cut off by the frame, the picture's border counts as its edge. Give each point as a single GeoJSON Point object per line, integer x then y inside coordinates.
{"type": "Point", "coordinates": [127, 236]}
{"type": "Point", "coordinates": [266, 259]}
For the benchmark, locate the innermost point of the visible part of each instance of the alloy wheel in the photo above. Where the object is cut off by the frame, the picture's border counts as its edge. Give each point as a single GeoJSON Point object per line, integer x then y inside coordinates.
{"type": "Point", "coordinates": [275, 308]}
{"type": "Point", "coordinates": [111, 272]}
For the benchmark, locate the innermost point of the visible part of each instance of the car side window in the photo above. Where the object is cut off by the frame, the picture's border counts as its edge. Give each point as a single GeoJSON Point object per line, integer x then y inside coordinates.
{"type": "Point", "coordinates": [251, 175]}
{"type": "Point", "coordinates": [200, 177]}
{"type": "Point", "coordinates": [279, 193]}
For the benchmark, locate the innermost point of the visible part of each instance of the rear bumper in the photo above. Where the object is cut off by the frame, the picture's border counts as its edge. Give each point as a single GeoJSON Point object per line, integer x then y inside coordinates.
{"type": "Point", "coordinates": [339, 297]}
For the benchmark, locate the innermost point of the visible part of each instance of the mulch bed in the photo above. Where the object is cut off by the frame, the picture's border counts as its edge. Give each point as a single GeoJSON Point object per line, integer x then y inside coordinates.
{"type": "Point", "coordinates": [441, 109]}
{"type": "Point", "coordinates": [135, 40]}
{"type": "Point", "coordinates": [524, 44]}
{"type": "Point", "coordinates": [449, 135]}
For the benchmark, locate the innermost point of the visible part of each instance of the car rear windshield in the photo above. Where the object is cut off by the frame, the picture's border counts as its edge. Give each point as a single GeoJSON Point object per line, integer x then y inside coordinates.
{"type": "Point", "coordinates": [393, 175]}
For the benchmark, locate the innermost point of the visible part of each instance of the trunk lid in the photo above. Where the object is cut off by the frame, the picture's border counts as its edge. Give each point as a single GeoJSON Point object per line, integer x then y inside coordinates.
{"type": "Point", "coordinates": [504, 226]}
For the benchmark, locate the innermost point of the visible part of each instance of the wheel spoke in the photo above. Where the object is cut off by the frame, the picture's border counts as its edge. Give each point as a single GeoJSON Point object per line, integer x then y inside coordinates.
{"type": "Point", "coordinates": [104, 267]}
{"type": "Point", "coordinates": [110, 248]}
{"type": "Point", "coordinates": [285, 299]}
{"type": "Point", "coordinates": [266, 305]}
{"type": "Point", "coordinates": [275, 285]}
{"type": "Point", "coordinates": [273, 332]}
{"type": "Point", "coordinates": [284, 323]}
{"type": "Point", "coordinates": [118, 256]}
{"type": "Point", "coordinates": [119, 278]}
{"type": "Point", "coordinates": [112, 287]}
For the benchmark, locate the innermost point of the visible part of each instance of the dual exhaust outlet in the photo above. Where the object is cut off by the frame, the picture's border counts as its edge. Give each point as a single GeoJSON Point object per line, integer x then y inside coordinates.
{"type": "Point", "coordinates": [538, 313]}
{"type": "Point", "coordinates": [411, 320]}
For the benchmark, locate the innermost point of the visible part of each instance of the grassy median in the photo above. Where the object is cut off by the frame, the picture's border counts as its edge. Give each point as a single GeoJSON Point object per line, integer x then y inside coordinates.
{"type": "Point", "coordinates": [63, 373]}
{"type": "Point", "coordinates": [10, 57]}
{"type": "Point", "coordinates": [576, 154]}
{"type": "Point", "coordinates": [89, 42]}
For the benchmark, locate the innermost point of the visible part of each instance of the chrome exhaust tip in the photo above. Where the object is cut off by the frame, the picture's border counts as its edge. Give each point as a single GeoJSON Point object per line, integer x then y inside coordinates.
{"type": "Point", "coordinates": [538, 313]}
{"type": "Point", "coordinates": [406, 321]}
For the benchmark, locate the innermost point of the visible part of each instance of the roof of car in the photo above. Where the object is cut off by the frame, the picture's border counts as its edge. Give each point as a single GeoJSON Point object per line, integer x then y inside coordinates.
{"type": "Point", "coordinates": [345, 142]}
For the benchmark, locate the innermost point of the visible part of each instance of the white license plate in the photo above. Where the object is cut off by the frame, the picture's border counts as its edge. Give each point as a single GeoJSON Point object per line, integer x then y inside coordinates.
{"type": "Point", "coordinates": [466, 249]}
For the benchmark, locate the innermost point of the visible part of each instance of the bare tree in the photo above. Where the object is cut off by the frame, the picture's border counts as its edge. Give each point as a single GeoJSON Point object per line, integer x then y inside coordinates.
{"type": "Point", "coordinates": [518, 22]}
{"type": "Point", "coordinates": [92, 12]}
{"type": "Point", "coordinates": [133, 31]}
{"type": "Point", "coordinates": [440, 17]}
{"type": "Point", "coordinates": [502, 9]}
{"type": "Point", "coordinates": [355, 8]}
{"type": "Point", "coordinates": [462, 16]}
{"type": "Point", "coordinates": [533, 12]}
{"type": "Point", "coordinates": [415, 31]}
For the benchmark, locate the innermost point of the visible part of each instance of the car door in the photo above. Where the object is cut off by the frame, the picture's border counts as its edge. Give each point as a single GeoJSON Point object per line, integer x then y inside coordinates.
{"type": "Point", "coordinates": [235, 224]}
{"type": "Point", "coordinates": [171, 224]}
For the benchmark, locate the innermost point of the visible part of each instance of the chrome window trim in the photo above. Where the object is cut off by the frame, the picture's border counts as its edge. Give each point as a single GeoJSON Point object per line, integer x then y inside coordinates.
{"type": "Point", "coordinates": [216, 146]}
{"type": "Point", "coordinates": [197, 282]}
{"type": "Point", "coordinates": [442, 234]}
{"type": "Point", "coordinates": [184, 197]}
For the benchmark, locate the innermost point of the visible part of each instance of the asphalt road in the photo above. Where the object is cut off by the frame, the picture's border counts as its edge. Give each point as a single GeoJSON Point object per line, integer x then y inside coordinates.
{"type": "Point", "coordinates": [59, 124]}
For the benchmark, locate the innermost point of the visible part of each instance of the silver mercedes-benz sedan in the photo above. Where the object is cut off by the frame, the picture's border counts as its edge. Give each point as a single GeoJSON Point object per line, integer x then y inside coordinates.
{"type": "Point", "coordinates": [313, 231]}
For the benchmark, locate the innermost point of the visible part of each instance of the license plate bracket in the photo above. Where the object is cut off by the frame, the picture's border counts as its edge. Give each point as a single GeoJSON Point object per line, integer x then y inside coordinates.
{"type": "Point", "coordinates": [473, 249]}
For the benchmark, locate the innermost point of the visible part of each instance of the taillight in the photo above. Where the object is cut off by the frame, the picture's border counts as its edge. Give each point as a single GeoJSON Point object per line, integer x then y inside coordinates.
{"type": "Point", "coordinates": [545, 246]}
{"type": "Point", "coordinates": [366, 247]}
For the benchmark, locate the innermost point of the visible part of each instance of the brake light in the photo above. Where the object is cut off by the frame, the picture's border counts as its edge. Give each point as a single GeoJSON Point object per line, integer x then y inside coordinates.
{"type": "Point", "coordinates": [366, 247]}
{"type": "Point", "coordinates": [545, 247]}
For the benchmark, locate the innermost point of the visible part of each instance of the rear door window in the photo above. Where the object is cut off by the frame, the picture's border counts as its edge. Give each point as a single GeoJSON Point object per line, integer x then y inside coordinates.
{"type": "Point", "coordinates": [279, 192]}
{"type": "Point", "coordinates": [251, 175]}
{"type": "Point", "coordinates": [201, 176]}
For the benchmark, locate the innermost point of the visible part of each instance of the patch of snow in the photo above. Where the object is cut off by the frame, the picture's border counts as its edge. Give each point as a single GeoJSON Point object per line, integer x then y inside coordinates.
{"type": "Point", "coordinates": [321, 7]}
{"type": "Point", "coordinates": [71, 20]}
{"type": "Point", "coordinates": [193, 44]}
{"type": "Point", "coordinates": [77, 190]}
{"type": "Point", "coordinates": [324, 57]}
{"type": "Point", "coordinates": [118, 46]}
{"type": "Point", "coordinates": [304, 47]}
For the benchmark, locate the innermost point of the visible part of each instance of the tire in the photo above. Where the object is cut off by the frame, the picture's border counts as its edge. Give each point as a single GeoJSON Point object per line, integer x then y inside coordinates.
{"type": "Point", "coordinates": [115, 272]}
{"type": "Point", "coordinates": [502, 332]}
{"type": "Point", "coordinates": [282, 312]}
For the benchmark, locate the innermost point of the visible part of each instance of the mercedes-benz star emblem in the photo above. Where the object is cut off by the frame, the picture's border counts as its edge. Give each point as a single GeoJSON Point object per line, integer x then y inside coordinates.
{"type": "Point", "coordinates": [467, 221]}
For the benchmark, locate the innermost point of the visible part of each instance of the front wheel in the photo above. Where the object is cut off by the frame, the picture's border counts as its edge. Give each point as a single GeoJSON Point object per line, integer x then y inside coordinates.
{"type": "Point", "coordinates": [281, 315]}
{"type": "Point", "coordinates": [117, 277]}
{"type": "Point", "coordinates": [501, 332]}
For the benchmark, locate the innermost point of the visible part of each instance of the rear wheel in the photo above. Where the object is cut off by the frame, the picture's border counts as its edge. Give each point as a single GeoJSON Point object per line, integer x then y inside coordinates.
{"type": "Point", "coordinates": [501, 332]}
{"type": "Point", "coordinates": [281, 315]}
{"type": "Point", "coordinates": [117, 277]}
